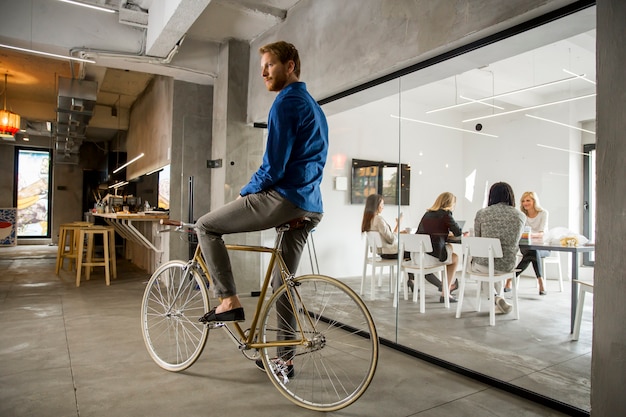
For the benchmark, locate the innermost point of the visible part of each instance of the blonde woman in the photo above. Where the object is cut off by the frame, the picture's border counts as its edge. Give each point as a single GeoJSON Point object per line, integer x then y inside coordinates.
{"type": "Point", "coordinates": [537, 219]}
{"type": "Point", "coordinates": [439, 224]}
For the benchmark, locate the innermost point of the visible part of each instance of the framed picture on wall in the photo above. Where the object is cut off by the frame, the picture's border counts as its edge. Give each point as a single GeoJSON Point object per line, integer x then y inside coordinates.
{"type": "Point", "coordinates": [391, 180]}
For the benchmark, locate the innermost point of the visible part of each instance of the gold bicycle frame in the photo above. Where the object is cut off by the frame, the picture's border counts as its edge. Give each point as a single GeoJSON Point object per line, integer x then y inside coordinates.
{"type": "Point", "coordinates": [247, 341]}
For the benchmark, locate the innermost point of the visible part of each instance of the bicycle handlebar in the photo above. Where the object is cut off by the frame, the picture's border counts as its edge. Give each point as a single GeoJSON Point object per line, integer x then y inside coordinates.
{"type": "Point", "coordinates": [177, 223]}
{"type": "Point", "coordinates": [168, 222]}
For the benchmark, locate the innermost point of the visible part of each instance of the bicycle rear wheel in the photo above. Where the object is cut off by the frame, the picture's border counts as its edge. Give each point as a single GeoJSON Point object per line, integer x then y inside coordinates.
{"type": "Point", "coordinates": [174, 299]}
{"type": "Point", "coordinates": [337, 360]}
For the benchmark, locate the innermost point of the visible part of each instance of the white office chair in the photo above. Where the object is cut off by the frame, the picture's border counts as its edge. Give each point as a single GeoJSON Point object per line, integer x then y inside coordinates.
{"type": "Point", "coordinates": [485, 248]}
{"type": "Point", "coordinates": [583, 288]}
{"type": "Point", "coordinates": [554, 259]}
{"type": "Point", "coordinates": [374, 260]}
{"type": "Point", "coordinates": [418, 246]}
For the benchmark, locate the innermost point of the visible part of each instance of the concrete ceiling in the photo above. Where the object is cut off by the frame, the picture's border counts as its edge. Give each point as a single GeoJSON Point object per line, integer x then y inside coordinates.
{"type": "Point", "coordinates": [181, 39]}
{"type": "Point", "coordinates": [177, 38]}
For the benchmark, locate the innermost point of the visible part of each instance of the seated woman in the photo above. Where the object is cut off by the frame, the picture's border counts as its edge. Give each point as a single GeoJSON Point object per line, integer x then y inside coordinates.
{"type": "Point", "coordinates": [537, 219]}
{"type": "Point", "coordinates": [439, 224]}
{"type": "Point", "coordinates": [500, 220]}
{"type": "Point", "coordinates": [373, 221]}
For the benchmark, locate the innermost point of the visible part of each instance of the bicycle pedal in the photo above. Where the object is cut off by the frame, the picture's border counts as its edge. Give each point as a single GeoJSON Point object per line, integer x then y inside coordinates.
{"type": "Point", "coordinates": [215, 325]}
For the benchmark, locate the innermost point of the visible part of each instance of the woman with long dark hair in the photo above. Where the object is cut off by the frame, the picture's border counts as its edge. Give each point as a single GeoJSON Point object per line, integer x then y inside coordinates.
{"type": "Point", "coordinates": [373, 221]}
{"type": "Point", "coordinates": [501, 220]}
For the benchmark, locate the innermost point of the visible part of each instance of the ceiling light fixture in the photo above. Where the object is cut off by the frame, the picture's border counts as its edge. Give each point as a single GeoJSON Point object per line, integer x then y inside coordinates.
{"type": "Point", "coordinates": [562, 150]}
{"type": "Point", "coordinates": [118, 184]}
{"type": "Point", "coordinates": [9, 121]}
{"type": "Point", "coordinates": [552, 103]}
{"type": "Point", "coordinates": [444, 126]}
{"type": "Point", "coordinates": [56, 56]}
{"type": "Point", "coordinates": [128, 163]}
{"type": "Point", "coordinates": [481, 102]}
{"type": "Point", "coordinates": [534, 87]}
{"type": "Point", "coordinates": [90, 6]}
{"type": "Point", "coordinates": [561, 124]}
{"type": "Point", "coordinates": [582, 77]}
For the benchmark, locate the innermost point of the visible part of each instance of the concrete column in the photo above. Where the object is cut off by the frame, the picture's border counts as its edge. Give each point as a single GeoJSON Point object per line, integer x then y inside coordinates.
{"type": "Point", "coordinates": [239, 145]}
{"type": "Point", "coordinates": [608, 364]}
{"type": "Point", "coordinates": [240, 148]}
{"type": "Point", "coordinates": [191, 147]}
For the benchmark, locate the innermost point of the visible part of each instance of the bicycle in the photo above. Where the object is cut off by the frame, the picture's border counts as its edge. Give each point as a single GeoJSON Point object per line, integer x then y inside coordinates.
{"type": "Point", "coordinates": [317, 322]}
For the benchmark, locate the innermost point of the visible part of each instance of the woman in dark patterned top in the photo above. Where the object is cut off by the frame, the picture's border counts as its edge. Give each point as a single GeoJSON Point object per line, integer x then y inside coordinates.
{"type": "Point", "coordinates": [501, 220]}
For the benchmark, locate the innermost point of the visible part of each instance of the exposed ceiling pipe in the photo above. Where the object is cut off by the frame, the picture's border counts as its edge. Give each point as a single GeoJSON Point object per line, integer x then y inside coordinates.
{"type": "Point", "coordinates": [139, 57]}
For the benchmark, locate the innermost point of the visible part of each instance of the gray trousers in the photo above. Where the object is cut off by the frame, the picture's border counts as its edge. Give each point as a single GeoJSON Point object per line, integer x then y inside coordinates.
{"type": "Point", "coordinates": [254, 212]}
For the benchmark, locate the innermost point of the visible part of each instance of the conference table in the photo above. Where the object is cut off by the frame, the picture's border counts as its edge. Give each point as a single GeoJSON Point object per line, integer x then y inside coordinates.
{"type": "Point", "coordinates": [575, 251]}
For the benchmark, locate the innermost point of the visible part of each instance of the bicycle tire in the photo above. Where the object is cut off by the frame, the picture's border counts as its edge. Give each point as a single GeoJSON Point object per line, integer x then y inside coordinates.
{"type": "Point", "coordinates": [174, 298]}
{"type": "Point", "coordinates": [338, 362]}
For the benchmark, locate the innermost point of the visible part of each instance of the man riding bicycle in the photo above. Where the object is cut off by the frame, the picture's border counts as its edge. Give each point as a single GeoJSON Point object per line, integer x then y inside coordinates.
{"type": "Point", "coordinates": [285, 187]}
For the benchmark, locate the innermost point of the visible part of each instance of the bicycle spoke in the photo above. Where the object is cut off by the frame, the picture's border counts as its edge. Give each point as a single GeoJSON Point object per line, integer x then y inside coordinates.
{"type": "Point", "coordinates": [175, 297]}
{"type": "Point", "coordinates": [315, 337]}
{"type": "Point", "coordinates": [337, 356]}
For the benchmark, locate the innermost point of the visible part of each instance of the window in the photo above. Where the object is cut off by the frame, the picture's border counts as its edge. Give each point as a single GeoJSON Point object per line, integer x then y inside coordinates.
{"type": "Point", "coordinates": [33, 193]}
{"type": "Point", "coordinates": [589, 199]}
{"type": "Point", "coordinates": [164, 188]}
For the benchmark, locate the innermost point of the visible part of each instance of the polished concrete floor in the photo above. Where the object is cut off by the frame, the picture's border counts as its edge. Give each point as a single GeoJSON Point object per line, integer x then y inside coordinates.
{"type": "Point", "coordinates": [535, 353]}
{"type": "Point", "coordinates": [68, 351]}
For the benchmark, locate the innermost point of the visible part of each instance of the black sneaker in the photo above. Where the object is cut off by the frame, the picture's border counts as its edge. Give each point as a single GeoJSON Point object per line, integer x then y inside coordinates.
{"type": "Point", "coordinates": [280, 367]}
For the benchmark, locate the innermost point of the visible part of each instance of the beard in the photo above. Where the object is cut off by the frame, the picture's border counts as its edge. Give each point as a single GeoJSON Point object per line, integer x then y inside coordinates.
{"type": "Point", "coordinates": [277, 82]}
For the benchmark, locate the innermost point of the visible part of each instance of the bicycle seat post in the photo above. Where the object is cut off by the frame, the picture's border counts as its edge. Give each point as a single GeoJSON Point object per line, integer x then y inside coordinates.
{"type": "Point", "coordinates": [298, 223]}
{"type": "Point", "coordinates": [280, 231]}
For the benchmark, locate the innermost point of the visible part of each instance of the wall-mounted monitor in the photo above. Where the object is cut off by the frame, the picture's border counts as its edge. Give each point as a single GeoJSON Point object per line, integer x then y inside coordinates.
{"type": "Point", "coordinates": [391, 180]}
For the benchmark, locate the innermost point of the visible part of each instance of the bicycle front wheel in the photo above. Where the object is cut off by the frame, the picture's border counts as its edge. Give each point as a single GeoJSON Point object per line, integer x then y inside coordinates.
{"type": "Point", "coordinates": [336, 358]}
{"type": "Point", "coordinates": [174, 299]}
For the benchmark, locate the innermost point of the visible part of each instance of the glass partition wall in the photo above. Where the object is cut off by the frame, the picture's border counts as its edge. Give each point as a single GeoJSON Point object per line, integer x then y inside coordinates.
{"type": "Point", "coordinates": [510, 111]}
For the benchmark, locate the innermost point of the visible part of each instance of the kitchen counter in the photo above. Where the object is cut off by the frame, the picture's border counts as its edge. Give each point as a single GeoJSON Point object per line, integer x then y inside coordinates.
{"type": "Point", "coordinates": [143, 244]}
{"type": "Point", "coordinates": [141, 216]}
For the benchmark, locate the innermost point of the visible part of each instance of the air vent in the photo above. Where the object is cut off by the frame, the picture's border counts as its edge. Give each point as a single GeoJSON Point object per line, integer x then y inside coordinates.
{"type": "Point", "coordinates": [76, 102]}
{"type": "Point", "coordinates": [77, 105]}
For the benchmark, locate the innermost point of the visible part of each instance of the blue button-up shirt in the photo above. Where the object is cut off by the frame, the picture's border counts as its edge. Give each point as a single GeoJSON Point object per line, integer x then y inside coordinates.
{"type": "Point", "coordinates": [297, 145]}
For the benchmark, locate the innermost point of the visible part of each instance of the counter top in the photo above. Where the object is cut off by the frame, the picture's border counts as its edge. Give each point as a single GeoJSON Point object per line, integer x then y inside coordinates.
{"type": "Point", "coordinates": [132, 216]}
{"type": "Point", "coordinates": [125, 225]}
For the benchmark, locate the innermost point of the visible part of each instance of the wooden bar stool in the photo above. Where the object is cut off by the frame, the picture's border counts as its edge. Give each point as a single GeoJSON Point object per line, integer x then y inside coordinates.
{"type": "Point", "coordinates": [85, 256]}
{"type": "Point", "coordinates": [68, 249]}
